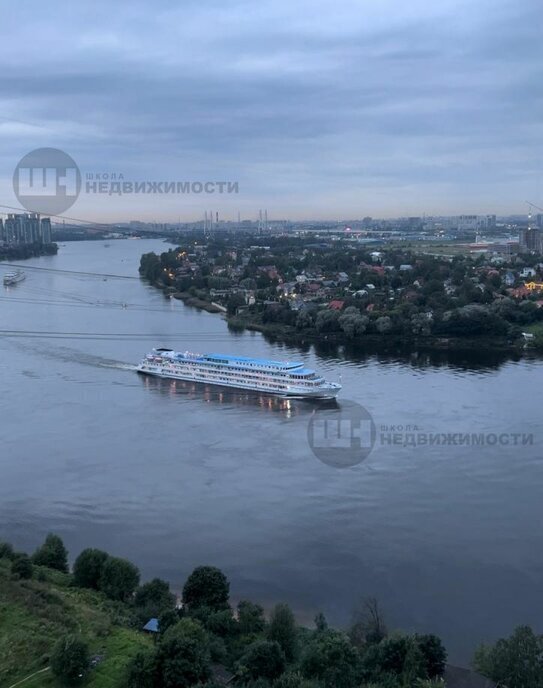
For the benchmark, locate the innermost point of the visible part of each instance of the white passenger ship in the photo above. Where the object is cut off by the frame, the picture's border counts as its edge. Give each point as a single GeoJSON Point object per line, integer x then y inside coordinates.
{"type": "Point", "coordinates": [13, 277]}
{"type": "Point", "coordinates": [282, 378]}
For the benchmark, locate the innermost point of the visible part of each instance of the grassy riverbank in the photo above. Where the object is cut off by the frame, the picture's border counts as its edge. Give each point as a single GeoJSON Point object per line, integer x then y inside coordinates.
{"type": "Point", "coordinates": [35, 613]}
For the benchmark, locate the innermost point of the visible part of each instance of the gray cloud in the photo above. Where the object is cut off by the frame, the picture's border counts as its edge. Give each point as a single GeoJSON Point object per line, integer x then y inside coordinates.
{"type": "Point", "coordinates": [356, 108]}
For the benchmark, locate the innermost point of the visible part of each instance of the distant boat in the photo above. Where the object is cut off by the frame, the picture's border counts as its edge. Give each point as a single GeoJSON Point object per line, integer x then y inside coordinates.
{"type": "Point", "coordinates": [13, 277]}
{"type": "Point", "coordinates": [107, 245]}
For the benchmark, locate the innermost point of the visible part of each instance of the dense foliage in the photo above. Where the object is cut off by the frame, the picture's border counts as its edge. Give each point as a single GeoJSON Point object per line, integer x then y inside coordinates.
{"type": "Point", "coordinates": [199, 643]}
{"type": "Point", "coordinates": [344, 291]}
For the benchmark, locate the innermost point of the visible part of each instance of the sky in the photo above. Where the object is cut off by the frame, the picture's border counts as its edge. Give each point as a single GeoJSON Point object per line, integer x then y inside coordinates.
{"type": "Point", "coordinates": [318, 109]}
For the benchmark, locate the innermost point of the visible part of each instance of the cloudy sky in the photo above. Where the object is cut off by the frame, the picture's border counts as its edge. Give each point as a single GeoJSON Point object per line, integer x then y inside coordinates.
{"type": "Point", "coordinates": [319, 109]}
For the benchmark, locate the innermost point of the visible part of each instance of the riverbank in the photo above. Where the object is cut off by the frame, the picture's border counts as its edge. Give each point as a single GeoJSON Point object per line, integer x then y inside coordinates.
{"type": "Point", "coordinates": [288, 334]}
{"type": "Point", "coordinates": [195, 302]}
{"type": "Point", "coordinates": [25, 251]}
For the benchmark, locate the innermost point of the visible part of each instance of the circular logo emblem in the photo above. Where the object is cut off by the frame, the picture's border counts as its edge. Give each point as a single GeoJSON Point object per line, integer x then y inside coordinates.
{"type": "Point", "coordinates": [342, 436]}
{"type": "Point", "coordinates": [47, 181]}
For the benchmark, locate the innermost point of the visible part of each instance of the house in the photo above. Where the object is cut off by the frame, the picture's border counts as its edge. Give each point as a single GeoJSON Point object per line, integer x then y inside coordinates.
{"type": "Point", "coordinates": [336, 305]}
{"type": "Point", "coordinates": [509, 279]}
{"type": "Point", "coordinates": [151, 626]}
{"type": "Point", "coordinates": [458, 677]}
{"type": "Point", "coordinates": [534, 286]}
{"type": "Point", "coordinates": [527, 272]}
{"type": "Point", "coordinates": [221, 675]}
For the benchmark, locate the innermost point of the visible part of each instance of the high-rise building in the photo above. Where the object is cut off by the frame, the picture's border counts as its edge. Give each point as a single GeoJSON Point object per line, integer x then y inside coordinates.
{"type": "Point", "coordinates": [26, 228]}
{"type": "Point", "coordinates": [531, 239]}
{"type": "Point", "coordinates": [46, 232]}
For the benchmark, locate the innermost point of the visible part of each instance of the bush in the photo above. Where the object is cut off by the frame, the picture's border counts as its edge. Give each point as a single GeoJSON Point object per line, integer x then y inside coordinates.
{"type": "Point", "coordinates": [88, 568]}
{"type": "Point", "coordinates": [70, 659]}
{"type": "Point", "coordinates": [52, 554]}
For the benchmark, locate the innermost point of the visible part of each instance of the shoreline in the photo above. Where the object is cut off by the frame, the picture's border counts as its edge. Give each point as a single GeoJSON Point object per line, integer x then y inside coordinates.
{"type": "Point", "coordinates": [385, 343]}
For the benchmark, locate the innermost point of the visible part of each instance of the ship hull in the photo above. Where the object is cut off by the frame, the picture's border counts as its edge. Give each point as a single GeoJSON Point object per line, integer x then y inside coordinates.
{"type": "Point", "coordinates": [325, 392]}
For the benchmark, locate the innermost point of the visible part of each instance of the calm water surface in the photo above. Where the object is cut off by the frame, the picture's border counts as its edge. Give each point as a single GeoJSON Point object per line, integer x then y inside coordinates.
{"type": "Point", "coordinates": [172, 475]}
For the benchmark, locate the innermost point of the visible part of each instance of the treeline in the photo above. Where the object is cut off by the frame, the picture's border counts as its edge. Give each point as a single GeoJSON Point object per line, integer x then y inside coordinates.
{"type": "Point", "coordinates": [204, 642]}
{"type": "Point", "coordinates": [23, 251]}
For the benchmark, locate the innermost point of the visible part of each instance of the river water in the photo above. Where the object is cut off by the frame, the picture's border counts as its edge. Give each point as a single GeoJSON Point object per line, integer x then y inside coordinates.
{"type": "Point", "coordinates": [172, 475]}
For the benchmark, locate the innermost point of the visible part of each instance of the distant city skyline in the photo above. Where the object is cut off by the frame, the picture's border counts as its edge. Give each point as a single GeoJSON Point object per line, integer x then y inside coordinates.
{"type": "Point", "coordinates": [318, 111]}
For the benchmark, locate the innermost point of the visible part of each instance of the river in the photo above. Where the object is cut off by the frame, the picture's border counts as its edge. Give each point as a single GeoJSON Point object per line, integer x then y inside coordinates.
{"type": "Point", "coordinates": [170, 475]}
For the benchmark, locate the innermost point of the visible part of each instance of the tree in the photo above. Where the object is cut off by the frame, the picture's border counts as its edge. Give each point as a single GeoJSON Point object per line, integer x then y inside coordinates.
{"type": "Point", "coordinates": [119, 578]}
{"type": "Point", "coordinates": [293, 680]}
{"type": "Point", "coordinates": [515, 662]}
{"type": "Point", "coordinates": [304, 319]}
{"type": "Point", "coordinates": [6, 550]}
{"type": "Point", "coordinates": [383, 324]}
{"type": "Point", "coordinates": [154, 597]}
{"type": "Point", "coordinates": [368, 626]}
{"type": "Point", "coordinates": [250, 617]}
{"type": "Point", "coordinates": [70, 659]}
{"type": "Point", "coordinates": [22, 566]}
{"type": "Point", "coordinates": [332, 659]}
{"type": "Point", "coordinates": [434, 654]}
{"type": "Point", "coordinates": [140, 672]}
{"type": "Point", "coordinates": [52, 554]}
{"type": "Point", "coordinates": [282, 629]}
{"type": "Point", "coordinates": [182, 657]}
{"type": "Point", "coordinates": [88, 568]}
{"type": "Point", "coordinates": [320, 622]}
{"type": "Point", "coordinates": [352, 322]}
{"type": "Point", "coordinates": [327, 321]}
{"type": "Point", "coordinates": [262, 659]}
{"type": "Point", "coordinates": [206, 586]}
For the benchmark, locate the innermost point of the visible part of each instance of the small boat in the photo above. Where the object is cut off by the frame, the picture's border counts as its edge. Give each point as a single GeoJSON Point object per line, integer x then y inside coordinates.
{"type": "Point", "coordinates": [13, 277]}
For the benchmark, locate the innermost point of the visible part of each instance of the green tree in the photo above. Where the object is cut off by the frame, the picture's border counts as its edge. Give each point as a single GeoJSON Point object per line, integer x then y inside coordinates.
{"type": "Point", "coordinates": [332, 659]}
{"type": "Point", "coordinates": [183, 657]}
{"type": "Point", "coordinates": [52, 554]}
{"type": "Point", "coordinates": [140, 672]}
{"type": "Point", "coordinates": [368, 626]}
{"type": "Point", "coordinates": [154, 597]}
{"type": "Point", "coordinates": [320, 622]}
{"type": "Point", "coordinates": [262, 659]}
{"type": "Point", "coordinates": [22, 566]}
{"type": "Point", "coordinates": [515, 662]}
{"type": "Point", "coordinates": [206, 586]}
{"type": "Point", "coordinates": [283, 630]}
{"type": "Point", "coordinates": [434, 654]}
{"type": "Point", "coordinates": [88, 568]}
{"type": "Point", "coordinates": [70, 659]}
{"type": "Point", "coordinates": [250, 617]}
{"type": "Point", "coordinates": [293, 680]}
{"type": "Point", "coordinates": [119, 578]}
{"type": "Point", "coordinates": [6, 550]}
